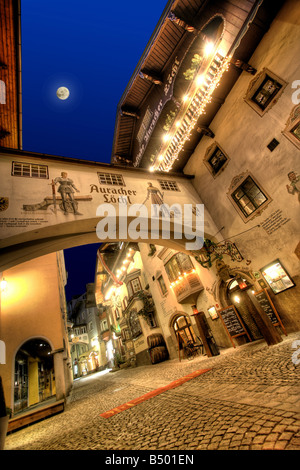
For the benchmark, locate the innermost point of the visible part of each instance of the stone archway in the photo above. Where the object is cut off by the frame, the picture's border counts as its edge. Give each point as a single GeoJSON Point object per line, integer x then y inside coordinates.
{"type": "Point", "coordinates": [35, 220]}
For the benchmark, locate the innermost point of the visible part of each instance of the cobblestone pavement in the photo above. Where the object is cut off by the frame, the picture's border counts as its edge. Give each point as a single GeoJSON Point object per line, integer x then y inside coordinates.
{"type": "Point", "coordinates": [248, 400]}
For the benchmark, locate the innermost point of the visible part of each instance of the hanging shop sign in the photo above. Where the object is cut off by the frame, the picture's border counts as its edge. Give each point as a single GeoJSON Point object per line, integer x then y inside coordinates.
{"type": "Point", "coordinates": [232, 323]}
{"type": "Point", "coordinates": [267, 305]}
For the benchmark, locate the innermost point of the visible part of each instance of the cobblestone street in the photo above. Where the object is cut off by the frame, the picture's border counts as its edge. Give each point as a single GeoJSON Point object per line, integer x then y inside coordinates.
{"type": "Point", "coordinates": [249, 400]}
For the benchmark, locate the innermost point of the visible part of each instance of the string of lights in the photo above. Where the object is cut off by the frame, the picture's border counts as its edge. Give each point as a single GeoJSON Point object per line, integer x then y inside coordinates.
{"type": "Point", "coordinates": [181, 130]}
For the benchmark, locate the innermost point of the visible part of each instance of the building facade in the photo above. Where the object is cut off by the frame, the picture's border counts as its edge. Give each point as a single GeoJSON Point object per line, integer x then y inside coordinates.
{"type": "Point", "coordinates": [216, 96]}
{"type": "Point", "coordinates": [36, 363]}
{"type": "Point", "coordinates": [84, 334]}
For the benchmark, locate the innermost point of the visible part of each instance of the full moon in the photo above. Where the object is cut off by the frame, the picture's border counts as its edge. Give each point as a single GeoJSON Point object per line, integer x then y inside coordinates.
{"type": "Point", "coordinates": [62, 93]}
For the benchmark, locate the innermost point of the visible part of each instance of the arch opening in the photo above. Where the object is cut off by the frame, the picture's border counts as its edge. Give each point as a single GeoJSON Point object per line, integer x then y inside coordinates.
{"type": "Point", "coordinates": [34, 376]}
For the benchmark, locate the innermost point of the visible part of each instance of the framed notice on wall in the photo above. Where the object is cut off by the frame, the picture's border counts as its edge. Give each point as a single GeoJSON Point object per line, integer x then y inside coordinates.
{"type": "Point", "coordinates": [277, 277]}
{"type": "Point", "coordinates": [232, 323]}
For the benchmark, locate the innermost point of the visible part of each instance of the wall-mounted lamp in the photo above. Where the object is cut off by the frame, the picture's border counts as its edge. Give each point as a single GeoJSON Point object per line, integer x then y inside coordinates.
{"type": "Point", "coordinates": [213, 312]}
{"type": "Point", "coordinates": [3, 285]}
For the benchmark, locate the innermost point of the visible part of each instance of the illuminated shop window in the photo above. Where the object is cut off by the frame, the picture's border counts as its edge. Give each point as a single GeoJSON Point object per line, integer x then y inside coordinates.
{"type": "Point", "coordinates": [215, 159]}
{"type": "Point", "coordinates": [248, 197]}
{"type": "Point", "coordinates": [29, 170]}
{"type": "Point", "coordinates": [277, 277]}
{"type": "Point", "coordinates": [264, 91]}
{"type": "Point", "coordinates": [112, 179]}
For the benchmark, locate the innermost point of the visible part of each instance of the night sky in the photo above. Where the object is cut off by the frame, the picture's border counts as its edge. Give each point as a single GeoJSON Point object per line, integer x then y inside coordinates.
{"type": "Point", "coordinates": [92, 48]}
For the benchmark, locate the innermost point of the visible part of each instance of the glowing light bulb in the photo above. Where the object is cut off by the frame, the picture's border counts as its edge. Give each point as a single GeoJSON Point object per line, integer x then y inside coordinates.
{"type": "Point", "coordinates": [209, 46]}
{"type": "Point", "coordinates": [200, 80]}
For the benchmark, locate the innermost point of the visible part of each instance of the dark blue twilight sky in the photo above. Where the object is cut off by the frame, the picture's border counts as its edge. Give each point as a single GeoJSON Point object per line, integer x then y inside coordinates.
{"type": "Point", "coordinates": [92, 48]}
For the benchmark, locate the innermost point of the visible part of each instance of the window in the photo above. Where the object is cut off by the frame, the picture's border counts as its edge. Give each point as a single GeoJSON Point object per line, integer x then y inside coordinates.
{"type": "Point", "coordinates": [134, 286]}
{"type": "Point", "coordinates": [134, 324]}
{"type": "Point", "coordinates": [125, 334]}
{"type": "Point", "coordinates": [168, 185]}
{"type": "Point", "coordinates": [109, 178]}
{"type": "Point", "coordinates": [151, 320]}
{"type": "Point", "coordinates": [162, 285]}
{"type": "Point", "coordinates": [29, 170]}
{"type": "Point", "coordinates": [178, 264]}
{"type": "Point", "coordinates": [264, 91]}
{"type": "Point", "coordinates": [248, 197]}
{"type": "Point", "coordinates": [125, 302]}
{"type": "Point", "coordinates": [103, 325]}
{"type": "Point", "coordinates": [292, 129]}
{"type": "Point", "coordinates": [273, 144]}
{"type": "Point", "coordinates": [215, 159]}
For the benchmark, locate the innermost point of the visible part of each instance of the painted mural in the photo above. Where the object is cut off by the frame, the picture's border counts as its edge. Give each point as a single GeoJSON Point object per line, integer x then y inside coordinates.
{"type": "Point", "coordinates": [40, 193]}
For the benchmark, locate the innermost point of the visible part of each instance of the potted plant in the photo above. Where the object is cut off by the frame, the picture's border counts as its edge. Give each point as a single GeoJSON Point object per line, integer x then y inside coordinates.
{"type": "Point", "coordinates": [4, 417]}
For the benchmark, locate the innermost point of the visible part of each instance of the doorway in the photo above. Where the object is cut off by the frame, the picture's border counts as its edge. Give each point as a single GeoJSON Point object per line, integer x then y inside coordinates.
{"type": "Point", "coordinates": [183, 330]}
{"type": "Point", "coordinates": [34, 378]}
{"type": "Point", "coordinates": [238, 297]}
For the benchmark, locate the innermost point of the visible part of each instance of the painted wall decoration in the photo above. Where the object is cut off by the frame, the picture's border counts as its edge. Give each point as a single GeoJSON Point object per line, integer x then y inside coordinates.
{"type": "Point", "coordinates": [294, 186]}
{"type": "Point", "coordinates": [47, 192]}
{"type": "Point", "coordinates": [65, 200]}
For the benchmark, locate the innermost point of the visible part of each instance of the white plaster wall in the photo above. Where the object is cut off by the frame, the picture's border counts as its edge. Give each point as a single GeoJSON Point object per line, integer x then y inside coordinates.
{"type": "Point", "coordinates": [244, 136]}
{"type": "Point", "coordinates": [31, 308]}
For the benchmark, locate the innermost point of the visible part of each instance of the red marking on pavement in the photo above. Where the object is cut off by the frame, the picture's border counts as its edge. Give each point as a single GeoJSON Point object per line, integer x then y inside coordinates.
{"type": "Point", "coordinates": [154, 393]}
